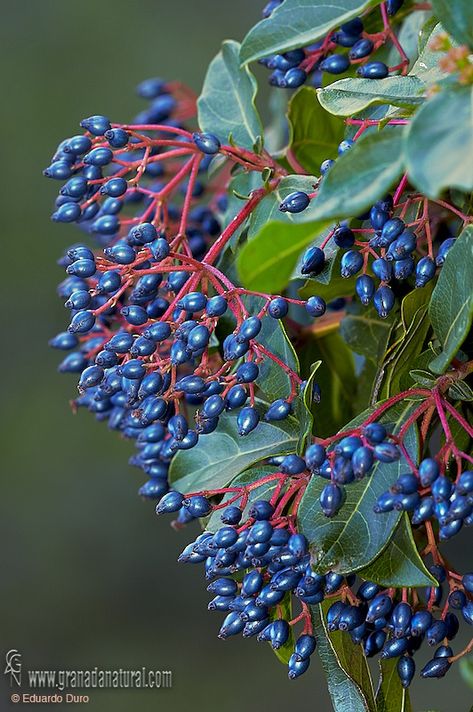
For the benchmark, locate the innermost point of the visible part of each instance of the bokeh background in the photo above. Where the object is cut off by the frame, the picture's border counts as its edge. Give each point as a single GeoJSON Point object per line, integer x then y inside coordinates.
{"type": "Point", "coordinates": [89, 574]}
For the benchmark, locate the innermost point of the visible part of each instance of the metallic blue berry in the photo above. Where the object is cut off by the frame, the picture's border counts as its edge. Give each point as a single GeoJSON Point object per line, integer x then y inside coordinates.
{"type": "Point", "coordinates": [316, 306]}
{"type": "Point", "coordinates": [295, 202]}
{"type": "Point", "coordinates": [373, 70]}
{"type": "Point", "coordinates": [331, 499]}
{"type": "Point", "coordinates": [313, 261]}
{"type": "Point", "coordinates": [335, 64]}
{"type": "Point", "coordinates": [362, 48]}
{"type": "Point", "coordinates": [96, 125]}
{"type": "Point", "coordinates": [383, 301]}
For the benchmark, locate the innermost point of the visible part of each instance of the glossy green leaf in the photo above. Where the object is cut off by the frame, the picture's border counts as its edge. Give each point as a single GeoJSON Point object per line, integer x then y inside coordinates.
{"type": "Point", "coordinates": [249, 476]}
{"type": "Point", "coordinates": [219, 457]}
{"type": "Point", "coordinates": [361, 176]}
{"type": "Point", "coordinates": [297, 23]}
{"type": "Point", "coordinates": [350, 96]}
{"type": "Point", "coordinates": [344, 663]}
{"type": "Point", "coordinates": [226, 105]}
{"type": "Point", "coordinates": [399, 564]}
{"type": "Point", "coordinates": [451, 307]}
{"type": "Point", "coordinates": [390, 695]}
{"type": "Point", "coordinates": [457, 18]}
{"type": "Point", "coordinates": [355, 536]}
{"type": "Point", "coordinates": [438, 152]}
{"type": "Point", "coordinates": [267, 262]}
{"type": "Point", "coordinates": [314, 133]}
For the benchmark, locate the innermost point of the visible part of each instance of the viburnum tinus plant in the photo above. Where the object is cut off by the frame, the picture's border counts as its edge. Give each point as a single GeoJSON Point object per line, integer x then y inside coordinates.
{"type": "Point", "coordinates": [280, 319]}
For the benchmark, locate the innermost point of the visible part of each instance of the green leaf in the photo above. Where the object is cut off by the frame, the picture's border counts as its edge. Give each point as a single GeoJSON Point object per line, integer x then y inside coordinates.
{"type": "Point", "coordinates": [400, 563]}
{"type": "Point", "coordinates": [421, 363]}
{"type": "Point", "coordinates": [424, 378]}
{"type": "Point", "coordinates": [451, 307]}
{"type": "Point", "coordinates": [297, 23]}
{"type": "Point", "coordinates": [226, 105]}
{"type": "Point", "coordinates": [410, 343]}
{"type": "Point", "coordinates": [361, 176]}
{"type": "Point", "coordinates": [426, 67]}
{"type": "Point", "coordinates": [355, 536]}
{"type": "Point", "coordinates": [303, 406]}
{"type": "Point", "coordinates": [314, 133]}
{"type": "Point", "coordinates": [349, 96]}
{"type": "Point", "coordinates": [457, 18]}
{"type": "Point", "coordinates": [336, 375]}
{"type": "Point", "coordinates": [460, 391]}
{"type": "Point", "coordinates": [247, 477]}
{"type": "Point", "coordinates": [365, 333]}
{"type": "Point", "coordinates": [466, 670]}
{"type": "Point", "coordinates": [344, 663]}
{"type": "Point", "coordinates": [216, 460]}
{"type": "Point", "coordinates": [267, 262]}
{"type": "Point", "coordinates": [275, 133]}
{"type": "Point", "coordinates": [390, 695]}
{"type": "Point", "coordinates": [439, 142]}
{"type": "Point", "coordinates": [412, 28]}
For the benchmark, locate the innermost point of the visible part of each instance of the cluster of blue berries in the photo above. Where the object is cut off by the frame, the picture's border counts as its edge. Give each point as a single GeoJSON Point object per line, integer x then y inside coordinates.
{"type": "Point", "coordinates": [142, 335]}
{"type": "Point", "coordinates": [275, 564]}
{"type": "Point", "coordinates": [351, 459]}
{"type": "Point", "coordinates": [293, 68]}
{"type": "Point", "coordinates": [114, 175]}
{"type": "Point", "coordinates": [387, 256]}
{"type": "Point", "coordinates": [256, 541]}
{"type": "Point", "coordinates": [397, 629]}
{"type": "Point", "coordinates": [430, 494]}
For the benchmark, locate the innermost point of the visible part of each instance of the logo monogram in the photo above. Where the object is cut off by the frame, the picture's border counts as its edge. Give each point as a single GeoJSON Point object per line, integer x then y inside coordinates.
{"type": "Point", "coordinates": [13, 667]}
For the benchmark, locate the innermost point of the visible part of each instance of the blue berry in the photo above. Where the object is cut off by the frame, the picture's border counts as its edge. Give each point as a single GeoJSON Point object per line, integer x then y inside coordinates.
{"type": "Point", "coordinates": [295, 202]}
{"type": "Point", "coordinates": [206, 142]}
{"type": "Point", "coordinates": [384, 301]}
{"type": "Point", "coordinates": [316, 306]}
{"type": "Point", "coordinates": [313, 261]}
{"type": "Point", "coordinates": [247, 420]}
{"type": "Point", "coordinates": [425, 271]}
{"type": "Point", "coordinates": [278, 308]}
{"type": "Point", "coordinates": [335, 64]}
{"type": "Point", "coordinates": [361, 48]}
{"type": "Point", "coordinates": [343, 236]}
{"type": "Point", "coordinates": [352, 262]}
{"type": "Point", "coordinates": [373, 70]}
{"type": "Point", "coordinates": [96, 125]}
{"type": "Point", "coordinates": [331, 499]}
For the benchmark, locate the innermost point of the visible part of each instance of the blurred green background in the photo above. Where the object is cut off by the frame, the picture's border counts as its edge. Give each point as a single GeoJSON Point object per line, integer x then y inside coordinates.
{"type": "Point", "coordinates": [89, 573]}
